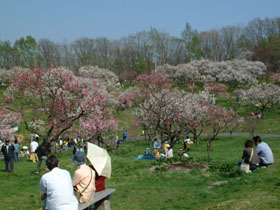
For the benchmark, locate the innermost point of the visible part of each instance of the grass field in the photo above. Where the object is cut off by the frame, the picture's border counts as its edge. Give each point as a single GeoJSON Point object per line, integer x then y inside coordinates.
{"type": "Point", "coordinates": [138, 188]}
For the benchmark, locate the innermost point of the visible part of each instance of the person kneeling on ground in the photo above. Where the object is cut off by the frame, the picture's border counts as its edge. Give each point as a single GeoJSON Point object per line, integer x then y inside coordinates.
{"type": "Point", "coordinates": [84, 179]}
{"type": "Point", "coordinates": [250, 156]}
{"type": "Point", "coordinates": [57, 188]}
{"type": "Point", "coordinates": [264, 152]}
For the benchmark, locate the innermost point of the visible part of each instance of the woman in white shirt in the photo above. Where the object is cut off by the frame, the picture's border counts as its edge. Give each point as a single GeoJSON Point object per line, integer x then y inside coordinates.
{"type": "Point", "coordinates": [169, 151]}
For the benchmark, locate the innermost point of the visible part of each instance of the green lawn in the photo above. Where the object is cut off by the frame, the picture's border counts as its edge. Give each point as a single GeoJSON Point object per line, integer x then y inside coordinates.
{"type": "Point", "coordinates": [138, 188]}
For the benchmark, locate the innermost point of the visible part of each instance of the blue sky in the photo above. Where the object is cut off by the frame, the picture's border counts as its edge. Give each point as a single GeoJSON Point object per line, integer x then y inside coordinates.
{"type": "Point", "coordinates": [60, 20]}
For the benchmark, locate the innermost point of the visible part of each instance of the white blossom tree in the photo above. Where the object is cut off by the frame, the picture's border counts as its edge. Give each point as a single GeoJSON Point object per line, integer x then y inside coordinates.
{"type": "Point", "coordinates": [239, 71]}
{"type": "Point", "coordinates": [262, 96]}
{"type": "Point", "coordinates": [105, 76]}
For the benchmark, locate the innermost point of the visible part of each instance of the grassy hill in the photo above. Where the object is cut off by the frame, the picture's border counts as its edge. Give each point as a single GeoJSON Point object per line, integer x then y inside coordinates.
{"type": "Point", "coordinates": [222, 187]}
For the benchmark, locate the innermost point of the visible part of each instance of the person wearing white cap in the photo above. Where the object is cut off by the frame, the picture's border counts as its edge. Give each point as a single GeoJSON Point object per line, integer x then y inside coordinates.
{"type": "Point", "coordinates": [187, 146]}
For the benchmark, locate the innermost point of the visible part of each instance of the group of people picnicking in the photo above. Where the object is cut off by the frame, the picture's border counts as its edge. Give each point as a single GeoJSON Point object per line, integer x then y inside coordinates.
{"type": "Point", "coordinates": [168, 150]}
{"type": "Point", "coordinates": [253, 158]}
{"type": "Point", "coordinates": [256, 115]}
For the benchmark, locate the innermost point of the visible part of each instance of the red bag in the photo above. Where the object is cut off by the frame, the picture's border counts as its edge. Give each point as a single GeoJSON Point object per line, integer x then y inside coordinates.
{"type": "Point", "coordinates": [99, 181]}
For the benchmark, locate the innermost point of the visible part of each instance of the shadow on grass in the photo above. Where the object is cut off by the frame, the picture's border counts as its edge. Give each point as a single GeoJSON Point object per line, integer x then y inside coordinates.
{"type": "Point", "coordinates": [278, 184]}
{"type": "Point", "coordinates": [234, 174]}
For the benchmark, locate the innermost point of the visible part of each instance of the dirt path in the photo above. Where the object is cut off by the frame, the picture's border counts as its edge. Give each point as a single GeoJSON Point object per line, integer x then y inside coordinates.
{"type": "Point", "coordinates": [221, 134]}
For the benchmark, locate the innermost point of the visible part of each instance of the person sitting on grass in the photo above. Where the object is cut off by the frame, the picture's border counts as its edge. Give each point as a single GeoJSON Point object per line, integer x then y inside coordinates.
{"type": "Point", "coordinates": [156, 148]}
{"type": "Point", "coordinates": [264, 152]}
{"type": "Point", "coordinates": [169, 152]}
{"type": "Point", "coordinates": [57, 188]}
{"type": "Point", "coordinates": [250, 156]}
{"type": "Point", "coordinates": [187, 146]}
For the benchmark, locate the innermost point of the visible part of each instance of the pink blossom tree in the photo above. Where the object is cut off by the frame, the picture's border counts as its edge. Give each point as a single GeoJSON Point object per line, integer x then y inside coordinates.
{"type": "Point", "coordinates": [219, 119]}
{"type": "Point", "coordinates": [98, 124]}
{"type": "Point", "coordinates": [163, 115]}
{"type": "Point", "coordinates": [192, 87]}
{"type": "Point", "coordinates": [275, 77]}
{"type": "Point", "coordinates": [7, 120]}
{"type": "Point", "coordinates": [215, 88]}
{"type": "Point", "coordinates": [56, 97]}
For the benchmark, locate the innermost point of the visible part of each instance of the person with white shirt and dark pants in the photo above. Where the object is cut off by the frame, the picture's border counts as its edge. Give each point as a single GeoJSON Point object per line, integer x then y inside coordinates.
{"type": "Point", "coordinates": [264, 152]}
{"type": "Point", "coordinates": [57, 188]}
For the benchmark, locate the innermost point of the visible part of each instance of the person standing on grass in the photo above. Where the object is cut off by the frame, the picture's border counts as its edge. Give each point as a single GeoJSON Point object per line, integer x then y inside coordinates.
{"type": "Point", "coordinates": [16, 145]}
{"type": "Point", "coordinates": [57, 188]}
{"type": "Point", "coordinates": [42, 155]}
{"type": "Point", "coordinates": [264, 152]}
{"type": "Point", "coordinates": [124, 135]}
{"type": "Point", "coordinates": [33, 147]}
{"type": "Point", "coordinates": [9, 154]}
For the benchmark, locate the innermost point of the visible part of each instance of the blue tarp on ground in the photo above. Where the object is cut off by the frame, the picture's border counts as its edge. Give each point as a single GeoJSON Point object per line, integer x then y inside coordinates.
{"type": "Point", "coordinates": [145, 157]}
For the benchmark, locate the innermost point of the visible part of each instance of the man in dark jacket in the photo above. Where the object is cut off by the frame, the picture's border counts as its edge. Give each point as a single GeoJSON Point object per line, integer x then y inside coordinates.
{"type": "Point", "coordinates": [42, 155]}
{"type": "Point", "coordinates": [9, 155]}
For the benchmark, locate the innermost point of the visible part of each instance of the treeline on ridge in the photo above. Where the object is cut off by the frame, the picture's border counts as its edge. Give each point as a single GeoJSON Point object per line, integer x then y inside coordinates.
{"type": "Point", "coordinates": [141, 52]}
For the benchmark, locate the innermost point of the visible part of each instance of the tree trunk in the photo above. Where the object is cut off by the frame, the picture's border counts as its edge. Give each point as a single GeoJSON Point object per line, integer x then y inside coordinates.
{"type": "Point", "coordinates": [195, 138]}
{"type": "Point", "coordinates": [208, 147]}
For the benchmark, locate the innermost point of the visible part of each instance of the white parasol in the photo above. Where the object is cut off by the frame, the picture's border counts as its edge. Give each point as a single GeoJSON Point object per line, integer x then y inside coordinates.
{"type": "Point", "coordinates": [100, 160]}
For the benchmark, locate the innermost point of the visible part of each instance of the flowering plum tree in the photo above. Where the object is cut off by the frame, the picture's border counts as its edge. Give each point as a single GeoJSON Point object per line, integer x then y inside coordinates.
{"type": "Point", "coordinates": [215, 87]}
{"type": "Point", "coordinates": [239, 71]}
{"type": "Point", "coordinates": [275, 77]}
{"type": "Point", "coordinates": [99, 124]}
{"type": "Point", "coordinates": [262, 96]}
{"type": "Point", "coordinates": [219, 119]}
{"type": "Point", "coordinates": [56, 97]}
{"type": "Point", "coordinates": [7, 120]}
{"type": "Point", "coordinates": [7, 75]}
{"type": "Point", "coordinates": [197, 115]}
{"type": "Point", "coordinates": [106, 77]}
{"type": "Point", "coordinates": [192, 87]}
{"type": "Point", "coordinates": [164, 114]}
{"type": "Point", "coordinates": [128, 97]}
